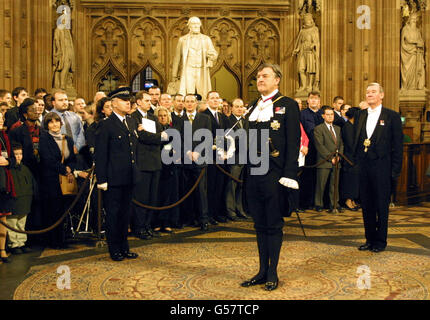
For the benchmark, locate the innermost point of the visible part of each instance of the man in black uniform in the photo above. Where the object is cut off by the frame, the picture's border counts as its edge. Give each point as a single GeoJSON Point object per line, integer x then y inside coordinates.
{"type": "Point", "coordinates": [378, 152]}
{"type": "Point", "coordinates": [116, 139]}
{"type": "Point", "coordinates": [279, 118]}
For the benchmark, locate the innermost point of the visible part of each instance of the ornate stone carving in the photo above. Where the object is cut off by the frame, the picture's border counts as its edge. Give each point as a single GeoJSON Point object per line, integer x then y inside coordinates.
{"type": "Point", "coordinates": [148, 41]}
{"type": "Point", "coordinates": [309, 6]}
{"type": "Point", "coordinates": [226, 38]}
{"type": "Point", "coordinates": [109, 42]}
{"type": "Point", "coordinates": [262, 42]}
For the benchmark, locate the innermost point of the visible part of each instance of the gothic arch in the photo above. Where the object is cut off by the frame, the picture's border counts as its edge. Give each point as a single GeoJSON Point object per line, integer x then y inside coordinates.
{"type": "Point", "coordinates": [162, 81]}
{"type": "Point", "coordinates": [227, 39]}
{"type": "Point", "coordinates": [262, 38]}
{"type": "Point", "coordinates": [103, 74]}
{"type": "Point", "coordinates": [148, 40]}
{"type": "Point", "coordinates": [108, 42]}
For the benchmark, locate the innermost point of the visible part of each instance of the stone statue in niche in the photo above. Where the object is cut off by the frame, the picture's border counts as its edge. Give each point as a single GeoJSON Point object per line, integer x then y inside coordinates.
{"type": "Point", "coordinates": [63, 57]}
{"type": "Point", "coordinates": [307, 49]}
{"type": "Point", "coordinates": [412, 56]}
{"type": "Point", "coordinates": [195, 55]}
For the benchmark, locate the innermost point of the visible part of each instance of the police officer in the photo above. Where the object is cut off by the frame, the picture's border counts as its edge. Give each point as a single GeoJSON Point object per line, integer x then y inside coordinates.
{"type": "Point", "coordinates": [116, 139]}
{"type": "Point", "coordinates": [274, 131]}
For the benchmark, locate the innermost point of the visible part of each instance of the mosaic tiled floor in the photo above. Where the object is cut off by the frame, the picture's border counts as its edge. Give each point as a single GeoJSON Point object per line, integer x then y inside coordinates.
{"type": "Point", "coordinates": [192, 265]}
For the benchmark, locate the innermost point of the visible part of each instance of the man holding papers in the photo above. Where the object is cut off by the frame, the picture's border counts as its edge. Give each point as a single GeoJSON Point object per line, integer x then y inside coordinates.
{"type": "Point", "coordinates": [148, 162]}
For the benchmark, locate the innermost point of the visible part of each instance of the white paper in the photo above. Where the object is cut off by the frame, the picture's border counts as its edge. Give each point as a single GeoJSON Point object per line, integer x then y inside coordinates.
{"type": "Point", "coordinates": [301, 159]}
{"type": "Point", "coordinates": [149, 125]}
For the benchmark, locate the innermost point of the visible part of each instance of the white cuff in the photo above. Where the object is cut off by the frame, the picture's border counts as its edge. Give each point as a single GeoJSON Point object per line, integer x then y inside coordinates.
{"type": "Point", "coordinates": [103, 186]}
{"type": "Point", "coordinates": [289, 183]}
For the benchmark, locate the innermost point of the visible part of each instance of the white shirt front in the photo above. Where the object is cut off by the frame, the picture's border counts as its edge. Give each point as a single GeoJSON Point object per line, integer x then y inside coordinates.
{"type": "Point", "coordinates": [193, 113]}
{"type": "Point", "coordinates": [372, 119]}
{"type": "Point", "coordinates": [121, 118]}
{"type": "Point", "coordinates": [179, 114]}
{"type": "Point", "coordinates": [214, 112]}
{"type": "Point", "coordinates": [144, 114]}
{"type": "Point", "coordinates": [264, 110]}
{"type": "Point", "coordinates": [329, 126]}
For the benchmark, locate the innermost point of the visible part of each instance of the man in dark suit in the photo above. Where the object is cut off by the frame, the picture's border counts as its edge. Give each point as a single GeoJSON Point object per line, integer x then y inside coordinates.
{"type": "Point", "coordinates": [328, 139]}
{"type": "Point", "coordinates": [197, 203]}
{"type": "Point", "coordinates": [216, 179]}
{"type": "Point", "coordinates": [115, 158]}
{"type": "Point", "coordinates": [310, 118]}
{"type": "Point", "coordinates": [337, 104]}
{"type": "Point", "coordinates": [149, 164]}
{"type": "Point", "coordinates": [233, 192]}
{"type": "Point", "coordinates": [278, 117]}
{"type": "Point", "coordinates": [378, 152]}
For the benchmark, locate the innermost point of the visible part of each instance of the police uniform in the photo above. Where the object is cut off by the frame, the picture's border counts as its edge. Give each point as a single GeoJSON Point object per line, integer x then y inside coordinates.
{"type": "Point", "coordinates": [264, 193]}
{"type": "Point", "coordinates": [115, 155]}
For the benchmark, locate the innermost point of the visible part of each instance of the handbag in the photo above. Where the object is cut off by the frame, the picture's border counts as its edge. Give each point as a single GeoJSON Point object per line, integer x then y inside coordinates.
{"type": "Point", "coordinates": [67, 188]}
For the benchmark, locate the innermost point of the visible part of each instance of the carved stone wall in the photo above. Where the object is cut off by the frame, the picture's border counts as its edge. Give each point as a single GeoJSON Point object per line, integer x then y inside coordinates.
{"type": "Point", "coordinates": [116, 39]}
{"type": "Point", "coordinates": [125, 39]}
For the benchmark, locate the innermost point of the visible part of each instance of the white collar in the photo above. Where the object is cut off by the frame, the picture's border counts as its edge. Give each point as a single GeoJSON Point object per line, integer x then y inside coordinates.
{"type": "Point", "coordinates": [192, 113]}
{"type": "Point", "coordinates": [270, 95]}
{"type": "Point", "coordinates": [212, 111]}
{"type": "Point", "coordinates": [121, 118]}
{"type": "Point", "coordinates": [143, 113]}
{"type": "Point", "coordinates": [376, 110]}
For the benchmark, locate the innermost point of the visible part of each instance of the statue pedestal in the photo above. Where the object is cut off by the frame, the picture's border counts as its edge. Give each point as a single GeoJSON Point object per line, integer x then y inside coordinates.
{"type": "Point", "coordinates": [411, 106]}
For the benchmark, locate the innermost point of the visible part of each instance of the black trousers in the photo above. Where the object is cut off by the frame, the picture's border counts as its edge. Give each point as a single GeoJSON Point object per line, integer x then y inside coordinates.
{"type": "Point", "coordinates": [263, 197]}
{"type": "Point", "coordinates": [216, 189]}
{"type": "Point", "coordinates": [375, 191]}
{"type": "Point", "coordinates": [117, 202]}
{"type": "Point", "coordinates": [146, 192]}
{"type": "Point", "coordinates": [197, 203]}
{"type": "Point", "coordinates": [168, 194]}
{"type": "Point", "coordinates": [54, 209]}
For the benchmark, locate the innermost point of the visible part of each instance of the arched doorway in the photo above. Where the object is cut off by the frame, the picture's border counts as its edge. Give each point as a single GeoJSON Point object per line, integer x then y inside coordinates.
{"type": "Point", "coordinates": [226, 84]}
{"type": "Point", "coordinates": [145, 79]}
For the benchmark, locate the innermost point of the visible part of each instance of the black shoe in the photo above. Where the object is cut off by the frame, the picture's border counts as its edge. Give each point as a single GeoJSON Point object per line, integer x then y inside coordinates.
{"type": "Point", "coordinates": [5, 259]}
{"type": "Point", "coordinates": [366, 246]}
{"type": "Point", "coordinates": [318, 209]}
{"type": "Point", "coordinates": [144, 235]}
{"type": "Point", "coordinates": [130, 255]}
{"type": "Point", "coordinates": [155, 234]}
{"type": "Point", "coordinates": [253, 282]}
{"type": "Point", "coordinates": [16, 251]}
{"type": "Point", "coordinates": [377, 249]}
{"type": "Point", "coordinates": [299, 210]}
{"type": "Point", "coordinates": [243, 216]}
{"type": "Point", "coordinates": [213, 222]}
{"type": "Point", "coordinates": [221, 219]}
{"type": "Point", "coordinates": [270, 286]}
{"type": "Point", "coordinates": [232, 218]}
{"type": "Point", "coordinates": [204, 227]}
{"type": "Point", "coordinates": [117, 256]}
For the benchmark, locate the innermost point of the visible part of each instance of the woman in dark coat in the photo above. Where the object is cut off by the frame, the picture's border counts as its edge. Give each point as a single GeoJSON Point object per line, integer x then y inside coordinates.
{"type": "Point", "coordinates": [169, 181]}
{"type": "Point", "coordinates": [350, 178]}
{"type": "Point", "coordinates": [50, 149]}
{"type": "Point", "coordinates": [7, 188]}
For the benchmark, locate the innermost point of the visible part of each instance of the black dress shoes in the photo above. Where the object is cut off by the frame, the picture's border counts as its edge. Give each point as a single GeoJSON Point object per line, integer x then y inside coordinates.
{"type": "Point", "coordinates": [144, 235]}
{"type": "Point", "coordinates": [213, 222]}
{"type": "Point", "coordinates": [232, 218]}
{"type": "Point", "coordinates": [204, 227]}
{"type": "Point", "coordinates": [377, 249]}
{"type": "Point", "coordinates": [117, 256]}
{"type": "Point", "coordinates": [318, 209]}
{"type": "Point", "coordinates": [270, 286]}
{"type": "Point", "coordinates": [253, 282]}
{"type": "Point", "coordinates": [130, 255]}
{"type": "Point", "coordinates": [366, 246]}
{"type": "Point", "coordinates": [221, 219]}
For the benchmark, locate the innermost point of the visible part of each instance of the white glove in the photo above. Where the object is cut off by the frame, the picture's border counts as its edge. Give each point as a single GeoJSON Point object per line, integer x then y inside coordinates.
{"type": "Point", "coordinates": [164, 136]}
{"type": "Point", "coordinates": [103, 186]}
{"type": "Point", "coordinates": [289, 183]}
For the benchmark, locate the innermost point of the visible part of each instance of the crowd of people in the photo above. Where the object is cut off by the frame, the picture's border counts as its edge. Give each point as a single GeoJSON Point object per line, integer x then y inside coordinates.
{"type": "Point", "coordinates": [48, 135]}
